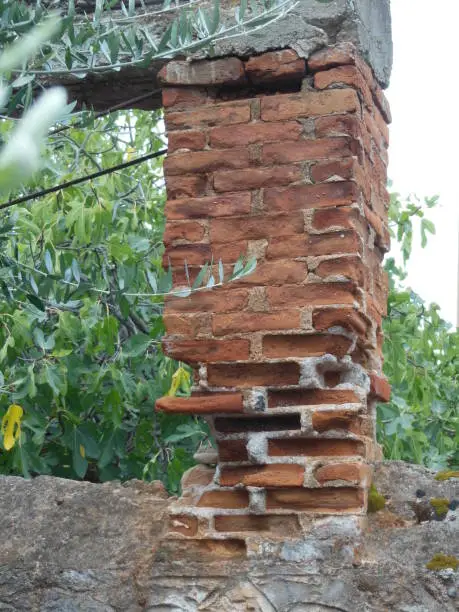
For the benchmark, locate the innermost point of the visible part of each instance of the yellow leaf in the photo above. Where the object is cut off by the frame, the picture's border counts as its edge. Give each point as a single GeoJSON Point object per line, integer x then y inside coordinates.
{"type": "Point", "coordinates": [179, 379]}
{"type": "Point", "coordinates": [82, 451]}
{"type": "Point", "coordinates": [130, 153]}
{"type": "Point", "coordinates": [11, 426]}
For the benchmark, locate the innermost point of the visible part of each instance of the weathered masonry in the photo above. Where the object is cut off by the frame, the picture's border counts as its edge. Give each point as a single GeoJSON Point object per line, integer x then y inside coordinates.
{"type": "Point", "coordinates": [282, 158]}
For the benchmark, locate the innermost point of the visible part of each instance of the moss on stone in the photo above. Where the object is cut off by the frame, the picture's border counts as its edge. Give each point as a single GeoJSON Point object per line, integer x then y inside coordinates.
{"type": "Point", "coordinates": [447, 475]}
{"type": "Point", "coordinates": [376, 501]}
{"type": "Point", "coordinates": [440, 561]}
{"type": "Point", "coordinates": [440, 505]}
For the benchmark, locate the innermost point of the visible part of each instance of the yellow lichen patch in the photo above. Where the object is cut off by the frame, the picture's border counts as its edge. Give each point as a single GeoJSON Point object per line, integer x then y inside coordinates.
{"type": "Point", "coordinates": [447, 474]}
{"type": "Point", "coordinates": [440, 505]}
{"type": "Point", "coordinates": [440, 561]}
{"type": "Point", "coordinates": [376, 501]}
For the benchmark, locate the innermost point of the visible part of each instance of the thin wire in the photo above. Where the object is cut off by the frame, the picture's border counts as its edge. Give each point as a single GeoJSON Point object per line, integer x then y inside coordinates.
{"type": "Point", "coordinates": [82, 179]}
{"type": "Point", "coordinates": [107, 111]}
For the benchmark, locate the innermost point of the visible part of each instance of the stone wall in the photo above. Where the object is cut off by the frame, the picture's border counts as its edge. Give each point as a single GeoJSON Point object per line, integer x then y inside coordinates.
{"type": "Point", "coordinates": [70, 546]}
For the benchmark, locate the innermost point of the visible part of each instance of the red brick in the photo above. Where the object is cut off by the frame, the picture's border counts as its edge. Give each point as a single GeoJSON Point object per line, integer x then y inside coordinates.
{"type": "Point", "coordinates": [277, 273]}
{"type": "Point", "coordinates": [192, 254]}
{"type": "Point", "coordinates": [316, 500]}
{"type": "Point", "coordinates": [355, 473]}
{"type": "Point", "coordinates": [309, 104]}
{"type": "Point", "coordinates": [188, 139]}
{"type": "Point", "coordinates": [312, 345]}
{"type": "Point", "coordinates": [256, 178]}
{"type": "Point", "coordinates": [232, 500]}
{"type": "Point", "coordinates": [338, 125]}
{"type": "Point", "coordinates": [343, 217]}
{"type": "Point", "coordinates": [201, 403]}
{"type": "Point", "coordinates": [347, 75]}
{"type": "Point", "coordinates": [351, 268]}
{"type": "Point", "coordinates": [241, 322]}
{"type": "Point", "coordinates": [339, 317]}
{"type": "Point", "coordinates": [227, 71]}
{"type": "Point", "coordinates": [183, 98]}
{"type": "Point", "coordinates": [227, 113]}
{"type": "Point", "coordinates": [255, 227]}
{"type": "Point", "coordinates": [232, 450]}
{"type": "Point", "coordinates": [306, 150]}
{"type": "Point", "coordinates": [380, 387]}
{"type": "Point", "coordinates": [275, 475]}
{"type": "Point", "coordinates": [291, 246]}
{"type": "Point", "coordinates": [339, 55]}
{"type": "Point", "coordinates": [312, 294]}
{"type": "Point", "coordinates": [186, 230]}
{"type": "Point", "coordinates": [327, 420]}
{"type": "Point", "coordinates": [205, 161]}
{"type": "Point", "coordinates": [230, 252]}
{"type": "Point", "coordinates": [210, 551]}
{"type": "Point", "coordinates": [380, 136]}
{"type": "Point", "coordinates": [314, 447]}
{"type": "Point", "coordinates": [211, 300]}
{"type": "Point", "coordinates": [239, 135]}
{"type": "Point", "coordinates": [261, 523]}
{"type": "Point", "coordinates": [315, 245]}
{"type": "Point", "coordinates": [212, 206]}
{"type": "Point", "coordinates": [185, 186]}
{"type": "Point", "coordinates": [183, 524]}
{"type": "Point", "coordinates": [246, 375]}
{"type": "Point", "coordinates": [382, 232]}
{"type": "Point", "coordinates": [335, 242]}
{"type": "Point", "coordinates": [206, 351]}
{"type": "Point", "coordinates": [310, 397]}
{"type": "Point", "coordinates": [197, 476]}
{"type": "Point", "coordinates": [334, 170]}
{"type": "Point", "coordinates": [186, 325]}
{"type": "Point", "coordinates": [282, 65]}
{"type": "Point", "coordinates": [300, 197]}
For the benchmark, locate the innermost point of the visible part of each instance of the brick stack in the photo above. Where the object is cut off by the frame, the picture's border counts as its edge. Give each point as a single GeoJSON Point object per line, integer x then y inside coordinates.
{"type": "Point", "coordinates": [285, 160]}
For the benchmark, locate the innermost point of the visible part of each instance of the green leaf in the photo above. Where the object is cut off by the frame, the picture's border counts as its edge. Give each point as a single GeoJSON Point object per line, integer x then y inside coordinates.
{"type": "Point", "coordinates": [79, 461]}
{"type": "Point", "coordinates": [136, 345]}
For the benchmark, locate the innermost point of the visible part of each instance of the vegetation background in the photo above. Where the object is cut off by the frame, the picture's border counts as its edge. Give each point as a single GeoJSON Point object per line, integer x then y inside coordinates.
{"type": "Point", "coordinates": [82, 283]}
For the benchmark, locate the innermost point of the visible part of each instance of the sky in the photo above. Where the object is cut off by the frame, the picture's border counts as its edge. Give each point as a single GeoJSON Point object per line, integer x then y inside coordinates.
{"type": "Point", "coordinates": [424, 148]}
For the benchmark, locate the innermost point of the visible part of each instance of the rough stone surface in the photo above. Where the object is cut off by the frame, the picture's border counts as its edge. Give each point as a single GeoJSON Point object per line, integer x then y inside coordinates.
{"type": "Point", "coordinates": [310, 26]}
{"type": "Point", "coordinates": [70, 546]}
{"type": "Point", "coordinates": [313, 25]}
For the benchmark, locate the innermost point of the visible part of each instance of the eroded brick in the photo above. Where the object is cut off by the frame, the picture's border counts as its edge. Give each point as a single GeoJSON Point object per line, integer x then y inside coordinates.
{"type": "Point", "coordinates": [343, 499]}
{"type": "Point", "coordinates": [240, 322]}
{"type": "Point", "coordinates": [200, 403]}
{"type": "Point", "coordinates": [302, 197]}
{"type": "Point", "coordinates": [284, 65]}
{"type": "Point", "coordinates": [224, 499]}
{"type": "Point", "coordinates": [314, 447]}
{"type": "Point", "coordinates": [206, 350]}
{"type": "Point", "coordinates": [312, 345]}
{"type": "Point", "coordinates": [309, 104]}
{"type": "Point", "coordinates": [226, 205]}
{"type": "Point", "coordinates": [274, 475]}
{"type": "Point", "coordinates": [239, 135]}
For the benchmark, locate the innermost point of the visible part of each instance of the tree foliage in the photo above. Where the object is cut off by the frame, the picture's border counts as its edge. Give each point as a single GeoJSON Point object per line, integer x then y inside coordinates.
{"type": "Point", "coordinates": [82, 287]}
{"type": "Point", "coordinates": [421, 423]}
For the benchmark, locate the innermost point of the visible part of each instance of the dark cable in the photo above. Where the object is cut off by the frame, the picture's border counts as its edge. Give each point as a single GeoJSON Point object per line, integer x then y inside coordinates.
{"type": "Point", "coordinates": [82, 179]}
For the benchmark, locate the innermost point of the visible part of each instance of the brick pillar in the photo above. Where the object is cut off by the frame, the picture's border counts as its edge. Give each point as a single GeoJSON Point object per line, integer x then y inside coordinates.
{"type": "Point", "coordinates": [285, 160]}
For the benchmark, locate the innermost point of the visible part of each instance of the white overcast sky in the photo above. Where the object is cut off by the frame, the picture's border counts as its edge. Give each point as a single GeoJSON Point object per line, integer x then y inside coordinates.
{"type": "Point", "coordinates": [424, 151]}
